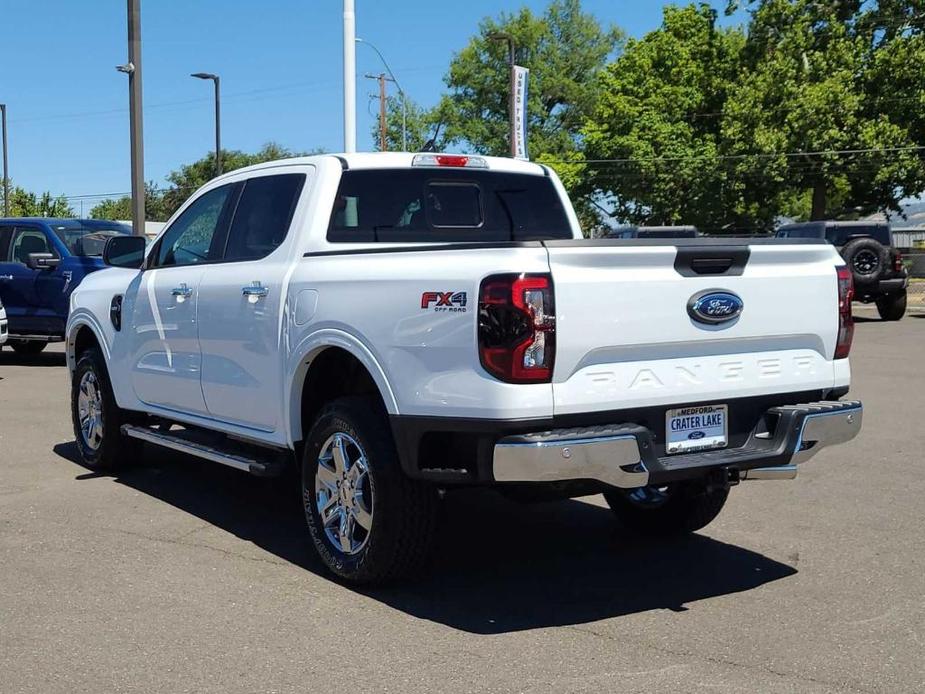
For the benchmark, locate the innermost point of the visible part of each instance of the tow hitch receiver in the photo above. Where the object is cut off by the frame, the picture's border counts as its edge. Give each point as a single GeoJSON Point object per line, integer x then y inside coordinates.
{"type": "Point", "coordinates": [722, 478]}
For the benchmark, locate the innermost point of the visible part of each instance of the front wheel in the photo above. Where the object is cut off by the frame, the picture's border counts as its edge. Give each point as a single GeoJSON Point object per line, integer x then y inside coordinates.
{"type": "Point", "coordinates": [892, 306]}
{"type": "Point", "coordinates": [368, 521]}
{"type": "Point", "coordinates": [672, 509]}
{"type": "Point", "coordinates": [97, 418]}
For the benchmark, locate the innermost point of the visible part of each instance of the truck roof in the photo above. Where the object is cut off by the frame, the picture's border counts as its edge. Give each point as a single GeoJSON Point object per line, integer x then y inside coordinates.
{"type": "Point", "coordinates": [61, 221]}
{"type": "Point", "coordinates": [396, 160]}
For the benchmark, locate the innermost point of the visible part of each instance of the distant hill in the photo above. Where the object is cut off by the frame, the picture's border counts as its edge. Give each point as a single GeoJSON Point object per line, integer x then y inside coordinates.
{"type": "Point", "coordinates": [913, 216]}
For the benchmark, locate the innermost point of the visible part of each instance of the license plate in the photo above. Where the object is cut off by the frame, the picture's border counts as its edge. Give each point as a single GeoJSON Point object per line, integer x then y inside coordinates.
{"type": "Point", "coordinates": [689, 429]}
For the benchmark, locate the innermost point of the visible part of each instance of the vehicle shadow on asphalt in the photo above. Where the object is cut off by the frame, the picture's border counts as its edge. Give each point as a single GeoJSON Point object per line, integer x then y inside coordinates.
{"type": "Point", "coordinates": [9, 358]}
{"type": "Point", "coordinates": [501, 566]}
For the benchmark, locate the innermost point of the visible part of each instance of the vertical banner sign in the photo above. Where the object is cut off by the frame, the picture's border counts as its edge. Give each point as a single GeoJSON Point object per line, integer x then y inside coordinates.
{"type": "Point", "coordinates": [521, 80]}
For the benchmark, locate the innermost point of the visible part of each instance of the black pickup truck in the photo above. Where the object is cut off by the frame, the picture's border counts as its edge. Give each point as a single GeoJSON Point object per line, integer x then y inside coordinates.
{"type": "Point", "coordinates": [867, 247]}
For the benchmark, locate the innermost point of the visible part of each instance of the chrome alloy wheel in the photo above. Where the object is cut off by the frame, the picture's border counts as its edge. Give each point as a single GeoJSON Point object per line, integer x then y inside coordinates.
{"type": "Point", "coordinates": [344, 493]}
{"type": "Point", "coordinates": [866, 262]}
{"type": "Point", "coordinates": [90, 411]}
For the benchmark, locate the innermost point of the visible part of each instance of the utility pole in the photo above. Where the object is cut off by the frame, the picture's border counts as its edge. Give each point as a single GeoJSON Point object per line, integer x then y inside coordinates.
{"type": "Point", "coordinates": [350, 78]}
{"type": "Point", "coordinates": [503, 36]}
{"type": "Point", "coordinates": [133, 70]}
{"type": "Point", "coordinates": [401, 93]}
{"type": "Point", "coordinates": [6, 172]}
{"type": "Point", "coordinates": [383, 118]}
{"type": "Point", "coordinates": [383, 129]}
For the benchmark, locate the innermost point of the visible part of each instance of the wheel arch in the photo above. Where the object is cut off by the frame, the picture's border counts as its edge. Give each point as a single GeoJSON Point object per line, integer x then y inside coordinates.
{"type": "Point", "coordinates": [81, 334]}
{"type": "Point", "coordinates": [333, 364]}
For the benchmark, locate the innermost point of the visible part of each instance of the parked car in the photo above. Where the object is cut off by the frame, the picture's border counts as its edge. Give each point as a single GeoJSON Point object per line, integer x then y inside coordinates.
{"type": "Point", "coordinates": [876, 265]}
{"type": "Point", "coordinates": [655, 232]}
{"type": "Point", "coordinates": [42, 261]}
{"type": "Point", "coordinates": [3, 325]}
{"type": "Point", "coordinates": [396, 324]}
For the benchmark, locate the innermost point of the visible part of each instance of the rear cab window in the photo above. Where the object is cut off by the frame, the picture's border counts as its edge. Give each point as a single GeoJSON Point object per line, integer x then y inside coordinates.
{"type": "Point", "coordinates": [446, 205]}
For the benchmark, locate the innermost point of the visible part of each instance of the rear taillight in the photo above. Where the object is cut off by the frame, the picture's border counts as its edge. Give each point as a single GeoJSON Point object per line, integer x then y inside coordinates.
{"type": "Point", "coordinates": [517, 327]}
{"type": "Point", "coordinates": [897, 261]}
{"type": "Point", "coordinates": [845, 319]}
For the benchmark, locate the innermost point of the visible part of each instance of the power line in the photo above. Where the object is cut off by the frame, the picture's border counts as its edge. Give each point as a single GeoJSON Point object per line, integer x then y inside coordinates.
{"type": "Point", "coordinates": [170, 104]}
{"type": "Point", "coordinates": [730, 157]}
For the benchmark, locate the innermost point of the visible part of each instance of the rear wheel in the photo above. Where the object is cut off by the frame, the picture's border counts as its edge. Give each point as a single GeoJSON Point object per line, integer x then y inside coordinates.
{"type": "Point", "coordinates": [28, 348]}
{"type": "Point", "coordinates": [892, 306]}
{"type": "Point", "coordinates": [368, 521]}
{"type": "Point", "coordinates": [673, 509]}
{"type": "Point", "coordinates": [96, 418]}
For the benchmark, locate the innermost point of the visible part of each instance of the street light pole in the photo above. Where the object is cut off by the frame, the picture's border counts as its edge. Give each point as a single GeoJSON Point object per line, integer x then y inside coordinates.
{"type": "Point", "coordinates": [218, 116]}
{"type": "Point", "coordinates": [503, 36]}
{"type": "Point", "coordinates": [6, 173]}
{"type": "Point", "coordinates": [401, 92]}
{"type": "Point", "coordinates": [133, 70]}
{"type": "Point", "coordinates": [350, 78]}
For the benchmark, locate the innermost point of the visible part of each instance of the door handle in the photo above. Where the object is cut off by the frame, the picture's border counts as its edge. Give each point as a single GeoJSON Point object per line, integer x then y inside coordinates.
{"type": "Point", "coordinates": [6, 277]}
{"type": "Point", "coordinates": [255, 290]}
{"type": "Point", "coordinates": [182, 290]}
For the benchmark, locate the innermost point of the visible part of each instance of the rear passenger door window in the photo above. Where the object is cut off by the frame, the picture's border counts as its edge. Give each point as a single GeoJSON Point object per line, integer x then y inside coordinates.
{"type": "Point", "coordinates": [262, 216]}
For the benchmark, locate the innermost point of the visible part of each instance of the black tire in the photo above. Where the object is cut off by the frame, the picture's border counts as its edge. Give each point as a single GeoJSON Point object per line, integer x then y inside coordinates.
{"type": "Point", "coordinates": [402, 512]}
{"type": "Point", "coordinates": [892, 306]}
{"type": "Point", "coordinates": [108, 450]}
{"type": "Point", "coordinates": [867, 258]}
{"type": "Point", "coordinates": [674, 509]}
{"type": "Point", "coordinates": [28, 348]}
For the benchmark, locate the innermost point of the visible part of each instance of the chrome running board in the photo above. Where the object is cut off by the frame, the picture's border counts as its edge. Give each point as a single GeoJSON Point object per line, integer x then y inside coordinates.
{"type": "Point", "coordinates": [177, 442]}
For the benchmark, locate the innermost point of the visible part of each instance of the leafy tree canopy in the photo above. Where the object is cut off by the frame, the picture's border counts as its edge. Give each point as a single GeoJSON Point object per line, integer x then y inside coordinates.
{"type": "Point", "coordinates": [828, 107]}
{"type": "Point", "coordinates": [161, 203]}
{"type": "Point", "coordinates": [27, 204]}
{"type": "Point", "coordinates": [657, 124]}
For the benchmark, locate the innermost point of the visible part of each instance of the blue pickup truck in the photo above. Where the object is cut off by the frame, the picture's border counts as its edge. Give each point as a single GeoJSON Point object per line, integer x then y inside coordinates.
{"type": "Point", "coordinates": [42, 260]}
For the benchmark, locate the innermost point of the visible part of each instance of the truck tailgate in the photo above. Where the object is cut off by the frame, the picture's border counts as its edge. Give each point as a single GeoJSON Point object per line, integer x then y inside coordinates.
{"type": "Point", "coordinates": [625, 336]}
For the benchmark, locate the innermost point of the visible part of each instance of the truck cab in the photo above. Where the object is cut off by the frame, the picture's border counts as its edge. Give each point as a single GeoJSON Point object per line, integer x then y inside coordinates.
{"type": "Point", "coordinates": [42, 261]}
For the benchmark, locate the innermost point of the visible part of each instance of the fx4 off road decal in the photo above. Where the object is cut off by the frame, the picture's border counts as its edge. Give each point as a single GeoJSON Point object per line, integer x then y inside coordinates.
{"type": "Point", "coordinates": [452, 302]}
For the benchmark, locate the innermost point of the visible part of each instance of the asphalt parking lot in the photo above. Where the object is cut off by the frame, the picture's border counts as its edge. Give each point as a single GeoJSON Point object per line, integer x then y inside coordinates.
{"type": "Point", "coordinates": [183, 576]}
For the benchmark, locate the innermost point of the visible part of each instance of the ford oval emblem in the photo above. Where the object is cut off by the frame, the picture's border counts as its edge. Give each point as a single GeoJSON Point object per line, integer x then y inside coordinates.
{"type": "Point", "coordinates": [694, 435]}
{"type": "Point", "coordinates": [715, 306]}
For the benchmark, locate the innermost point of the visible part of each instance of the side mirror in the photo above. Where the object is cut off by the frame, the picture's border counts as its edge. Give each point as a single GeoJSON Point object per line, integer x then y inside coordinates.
{"type": "Point", "coordinates": [42, 261]}
{"type": "Point", "coordinates": [125, 251]}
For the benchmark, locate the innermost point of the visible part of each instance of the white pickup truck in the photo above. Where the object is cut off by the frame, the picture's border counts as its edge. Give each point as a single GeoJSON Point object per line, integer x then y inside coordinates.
{"type": "Point", "coordinates": [399, 324]}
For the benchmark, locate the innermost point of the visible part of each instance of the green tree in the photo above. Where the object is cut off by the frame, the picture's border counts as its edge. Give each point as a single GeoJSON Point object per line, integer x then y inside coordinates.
{"type": "Point", "coordinates": [828, 110]}
{"type": "Point", "coordinates": [189, 177]}
{"type": "Point", "coordinates": [27, 204]}
{"type": "Point", "coordinates": [422, 126]}
{"type": "Point", "coordinates": [565, 48]}
{"type": "Point", "coordinates": [121, 208]}
{"type": "Point", "coordinates": [657, 123]}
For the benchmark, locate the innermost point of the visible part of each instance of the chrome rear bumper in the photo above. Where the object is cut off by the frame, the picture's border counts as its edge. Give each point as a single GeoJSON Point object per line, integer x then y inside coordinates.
{"type": "Point", "coordinates": [623, 455]}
